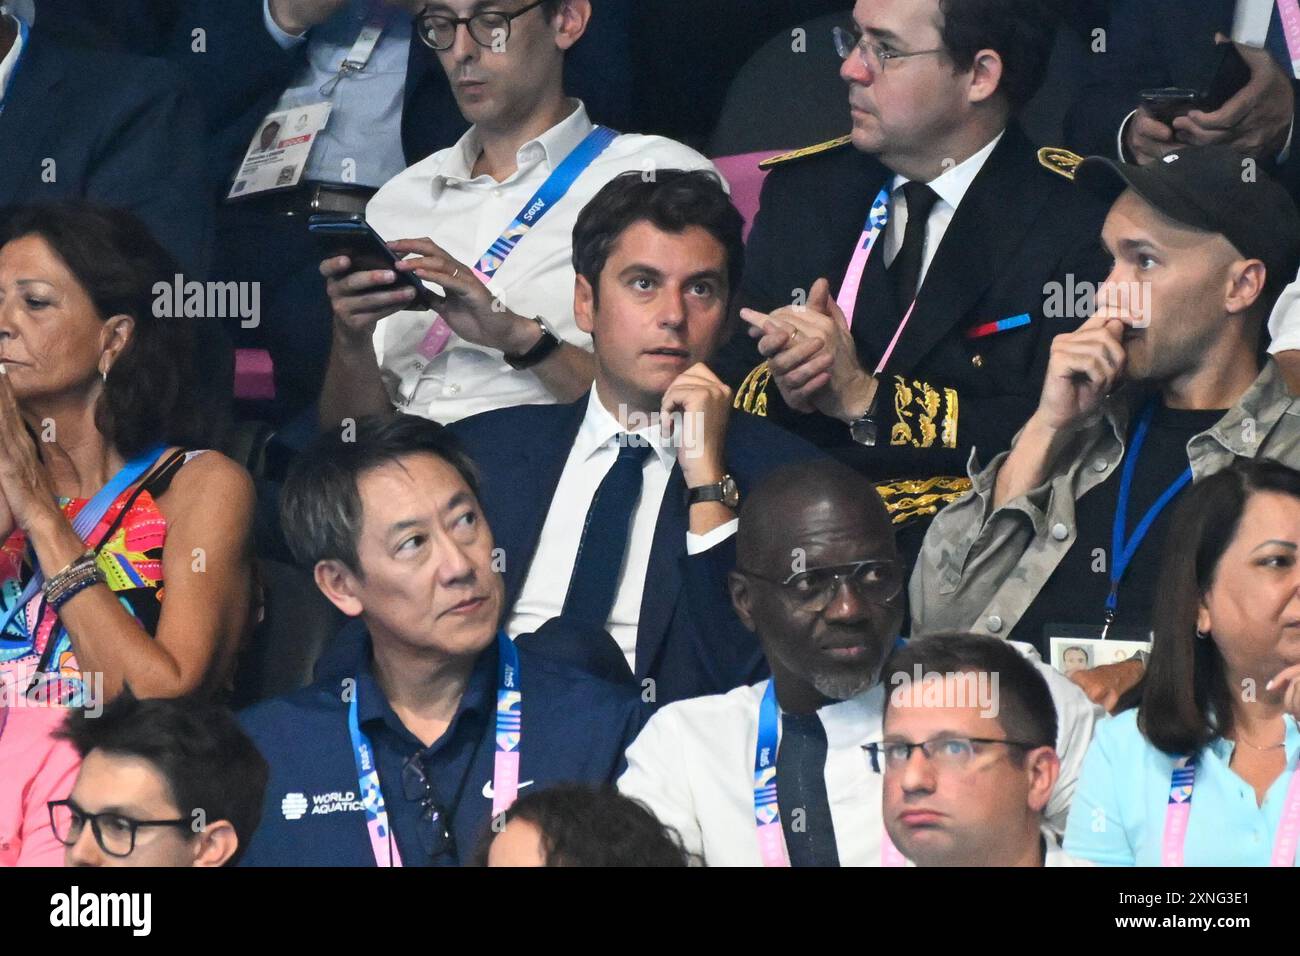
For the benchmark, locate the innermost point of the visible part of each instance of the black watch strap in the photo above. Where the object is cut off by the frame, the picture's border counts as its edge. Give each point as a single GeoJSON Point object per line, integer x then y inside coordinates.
{"type": "Point", "coordinates": [544, 346]}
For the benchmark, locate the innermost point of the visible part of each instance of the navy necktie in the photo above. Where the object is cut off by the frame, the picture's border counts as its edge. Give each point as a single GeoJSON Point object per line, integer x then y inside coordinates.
{"type": "Point", "coordinates": [801, 792]}
{"type": "Point", "coordinates": [604, 537]}
{"type": "Point", "coordinates": [1276, 43]}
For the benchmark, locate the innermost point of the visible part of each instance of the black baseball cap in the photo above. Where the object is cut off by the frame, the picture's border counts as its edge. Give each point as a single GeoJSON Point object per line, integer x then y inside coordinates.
{"type": "Point", "coordinates": [1212, 188]}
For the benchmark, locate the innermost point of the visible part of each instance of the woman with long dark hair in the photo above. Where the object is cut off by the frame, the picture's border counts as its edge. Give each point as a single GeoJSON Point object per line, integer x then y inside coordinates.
{"type": "Point", "coordinates": [1203, 769]}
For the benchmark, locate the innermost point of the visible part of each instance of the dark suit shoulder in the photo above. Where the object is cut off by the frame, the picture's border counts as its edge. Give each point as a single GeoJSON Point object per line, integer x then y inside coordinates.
{"type": "Point", "coordinates": [518, 421]}
{"type": "Point", "coordinates": [756, 447]}
{"type": "Point", "coordinates": [565, 685]}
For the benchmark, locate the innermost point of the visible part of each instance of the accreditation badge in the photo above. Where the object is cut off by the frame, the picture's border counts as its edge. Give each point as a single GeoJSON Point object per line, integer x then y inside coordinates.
{"type": "Point", "coordinates": [278, 152]}
{"type": "Point", "coordinates": [1076, 647]}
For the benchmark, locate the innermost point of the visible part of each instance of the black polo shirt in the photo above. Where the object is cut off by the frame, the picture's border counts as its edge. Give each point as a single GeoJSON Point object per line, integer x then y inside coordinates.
{"type": "Point", "coordinates": [574, 728]}
{"type": "Point", "coordinates": [1076, 592]}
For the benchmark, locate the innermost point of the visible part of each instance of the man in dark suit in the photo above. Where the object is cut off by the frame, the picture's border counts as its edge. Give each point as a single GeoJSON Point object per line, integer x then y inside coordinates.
{"type": "Point", "coordinates": [617, 529]}
{"type": "Point", "coordinates": [111, 127]}
{"type": "Point", "coordinates": [936, 338]}
{"type": "Point", "coordinates": [1159, 43]}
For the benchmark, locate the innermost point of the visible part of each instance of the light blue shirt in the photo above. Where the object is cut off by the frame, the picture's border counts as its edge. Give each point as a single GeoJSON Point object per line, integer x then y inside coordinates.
{"type": "Point", "coordinates": [1117, 816]}
{"type": "Point", "coordinates": [364, 132]}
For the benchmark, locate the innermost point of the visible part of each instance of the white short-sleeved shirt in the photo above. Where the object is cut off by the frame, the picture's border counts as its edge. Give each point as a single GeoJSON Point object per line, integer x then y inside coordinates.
{"type": "Point", "coordinates": [693, 766]}
{"type": "Point", "coordinates": [440, 198]}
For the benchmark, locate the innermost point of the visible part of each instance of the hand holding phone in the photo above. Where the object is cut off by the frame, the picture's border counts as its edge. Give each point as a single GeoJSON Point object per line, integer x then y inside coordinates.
{"type": "Point", "coordinates": [369, 287]}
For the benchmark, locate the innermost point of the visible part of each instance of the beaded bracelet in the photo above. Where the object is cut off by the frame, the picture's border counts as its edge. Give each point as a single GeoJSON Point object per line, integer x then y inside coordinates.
{"type": "Point", "coordinates": [76, 577]}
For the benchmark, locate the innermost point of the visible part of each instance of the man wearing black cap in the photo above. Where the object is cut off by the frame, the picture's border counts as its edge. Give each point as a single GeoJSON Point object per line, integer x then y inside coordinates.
{"type": "Point", "coordinates": [1060, 537]}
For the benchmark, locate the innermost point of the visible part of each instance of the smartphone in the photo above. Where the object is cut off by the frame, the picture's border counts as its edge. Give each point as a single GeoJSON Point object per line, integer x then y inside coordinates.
{"type": "Point", "coordinates": [1168, 102]}
{"type": "Point", "coordinates": [1231, 72]}
{"type": "Point", "coordinates": [350, 235]}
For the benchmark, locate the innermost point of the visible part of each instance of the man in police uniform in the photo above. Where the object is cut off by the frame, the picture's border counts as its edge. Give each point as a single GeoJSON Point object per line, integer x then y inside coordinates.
{"type": "Point", "coordinates": [996, 256]}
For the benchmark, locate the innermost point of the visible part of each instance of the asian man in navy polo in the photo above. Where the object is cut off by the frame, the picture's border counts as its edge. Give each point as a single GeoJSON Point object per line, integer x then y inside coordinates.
{"type": "Point", "coordinates": [407, 760]}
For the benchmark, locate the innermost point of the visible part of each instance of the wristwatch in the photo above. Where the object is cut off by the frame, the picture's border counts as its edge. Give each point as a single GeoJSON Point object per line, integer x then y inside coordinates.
{"type": "Point", "coordinates": [863, 428]}
{"type": "Point", "coordinates": [544, 346]}
{"type": "Point", "coordinates": [724, 491]}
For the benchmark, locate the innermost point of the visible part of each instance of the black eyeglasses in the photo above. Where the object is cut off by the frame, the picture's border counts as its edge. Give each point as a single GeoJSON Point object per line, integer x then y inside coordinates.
{"type": "Point", "coordinates": [813, 588]}
{"type": "Point", "coordinates": [947, 753]}
{"type": "Point", "coordinates": [435, 832]}
{"type": "Point", "coordinates": [114, 833]}
{"type": "Point", "coordinates": [490, 29]}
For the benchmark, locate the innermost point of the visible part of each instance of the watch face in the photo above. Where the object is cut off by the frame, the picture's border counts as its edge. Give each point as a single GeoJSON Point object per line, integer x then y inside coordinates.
{"type": "Point", "coordinates": [864, 432]}
{"type": "Point", "coordinates": [730, 493]}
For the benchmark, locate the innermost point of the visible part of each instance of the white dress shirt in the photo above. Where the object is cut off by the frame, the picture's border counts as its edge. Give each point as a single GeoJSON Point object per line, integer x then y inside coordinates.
{"type": "Point", "coordinates": [10, 59]}
{"type": "Point", "coordinates": [594, 450]}
{"type": "Point", "coordinates": [951, 187]}
{"type": "Point", "coordinates": [693, 766]}
{"type": "Point", "coordinates": [439, 197]}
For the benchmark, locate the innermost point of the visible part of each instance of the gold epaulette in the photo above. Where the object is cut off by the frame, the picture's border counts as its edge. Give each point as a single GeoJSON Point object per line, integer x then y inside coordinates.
{"type": "Point", "coordinates": [752, 395]}
{"type": "Point", "coordinates": [830, 144]}
{"type": "Point", "coordinates": [1060, 161]}
{"type": "Point", "coordinates": [906, 500]}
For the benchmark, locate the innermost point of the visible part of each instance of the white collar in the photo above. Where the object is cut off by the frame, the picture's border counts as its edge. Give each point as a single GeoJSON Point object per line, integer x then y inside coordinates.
{"type": "Point", "coordinates": [952, 185]}
{"type": "Point", "coordinates": [11, 58]}
{"type": "Point", "coordinates": [853, 722]}
{"type": "Point", "coordinates": [600, 428]}
{"type": "Point", "coordinates": [551, 147]}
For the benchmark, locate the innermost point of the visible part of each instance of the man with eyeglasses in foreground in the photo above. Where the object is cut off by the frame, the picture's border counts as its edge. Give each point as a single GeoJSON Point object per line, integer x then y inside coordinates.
{"type": "Point", "coordinates": [898, 280]}
{"type": "Point", "coordinates": [968, 758]}
{"type": "Point", "coordinates": [168, 782]}
{"type": "Point", "coordinates": [775, 774]}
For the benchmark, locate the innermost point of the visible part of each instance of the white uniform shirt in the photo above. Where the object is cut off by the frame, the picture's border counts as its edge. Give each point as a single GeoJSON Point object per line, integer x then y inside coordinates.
{"type": "Point", "coordinates": [693, 765]}
{"type": "Point", "coordinates": [594, 450]}
{"type": "Point", "coordinates": [439, 197]}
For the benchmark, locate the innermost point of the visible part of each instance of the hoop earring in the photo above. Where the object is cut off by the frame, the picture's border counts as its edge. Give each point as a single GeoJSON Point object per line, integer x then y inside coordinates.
{"type": "Point", "coordinates": [1202, 635]}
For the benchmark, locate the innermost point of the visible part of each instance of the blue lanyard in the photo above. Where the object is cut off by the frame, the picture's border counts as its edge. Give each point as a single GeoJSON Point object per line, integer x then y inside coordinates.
{"type": "Point", "coordinates": [1121, 551]}
{"type": "Point", "coordinates": [505, 776]}
{"type": "Point", "coordinates": [767, 813]}
{"type": "Point", "coordinates": [84, 524]}
{"type": "Point", "coordinates": [23, 31]}
{"type": "Point", "coordinates": [548, 194]}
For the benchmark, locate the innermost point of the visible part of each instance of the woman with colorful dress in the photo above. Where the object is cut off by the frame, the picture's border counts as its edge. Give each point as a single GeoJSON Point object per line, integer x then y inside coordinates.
{"type": "Point", "coordinates": [127, 556]}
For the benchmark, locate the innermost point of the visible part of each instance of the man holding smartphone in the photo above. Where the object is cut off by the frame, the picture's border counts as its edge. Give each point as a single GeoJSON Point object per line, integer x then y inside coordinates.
{"type": "Point", "coordinates": [487, 225]}
{"type": "Point", "coordinates": [1151, 44]}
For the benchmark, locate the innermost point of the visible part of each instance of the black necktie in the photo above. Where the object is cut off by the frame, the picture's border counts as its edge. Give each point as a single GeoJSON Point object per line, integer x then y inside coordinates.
{"type": "Point", "coordinates": [604, 537]}
{"type": "Point", "coordinates": [801, 792]}
{"type": "Point", "coordinates": [906, 268]}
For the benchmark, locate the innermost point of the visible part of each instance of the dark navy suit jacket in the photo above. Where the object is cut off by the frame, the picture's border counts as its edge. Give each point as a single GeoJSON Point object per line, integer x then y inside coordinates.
{"type": "Point", "coordinates": [689, 640]}
{"type": "Point", "coordinates": [1154, 43]}
{"type": "Point", "coordinates": [111, 127]}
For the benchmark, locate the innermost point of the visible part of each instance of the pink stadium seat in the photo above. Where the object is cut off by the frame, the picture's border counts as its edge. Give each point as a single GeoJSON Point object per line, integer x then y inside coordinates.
{"type": "Point", "coordinates": [746, 180]}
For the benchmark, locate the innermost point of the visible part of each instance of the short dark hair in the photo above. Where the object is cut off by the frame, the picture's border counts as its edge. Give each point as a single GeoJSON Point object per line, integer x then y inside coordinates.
{"type": "Point", "coordinates": [320, 506]}
{"type": "Point", "coordinates": [672, 200]}
{"type": "Point", "coordinates": [1025, 707]}
{"type": "Point", "coordinates": [148, 396]}
{"type": "Point", "coordinates": [583, 825]}
{"type": "Point", "coordinates": [1184, 700]}
{"type": "Point", "coordinates": [1023, 33]}
{"type": "Point", "coordinates": [202, 753]}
